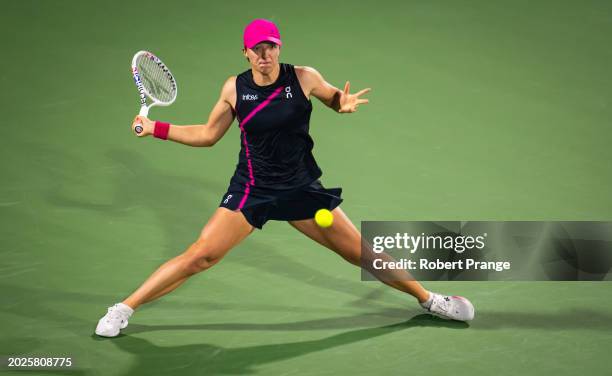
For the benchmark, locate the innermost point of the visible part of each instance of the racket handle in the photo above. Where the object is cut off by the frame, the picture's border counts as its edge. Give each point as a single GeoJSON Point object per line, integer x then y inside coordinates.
{"type": "Point", "coordinates": [144, 111]}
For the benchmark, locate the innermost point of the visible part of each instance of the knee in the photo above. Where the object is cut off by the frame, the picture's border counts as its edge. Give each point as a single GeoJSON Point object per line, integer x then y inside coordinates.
{"type": "Point", "coordinates": [199, 257]}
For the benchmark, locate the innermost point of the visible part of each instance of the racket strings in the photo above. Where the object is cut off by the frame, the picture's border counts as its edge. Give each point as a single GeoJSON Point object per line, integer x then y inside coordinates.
{"type": "Point", "coordinates": [156, 79]}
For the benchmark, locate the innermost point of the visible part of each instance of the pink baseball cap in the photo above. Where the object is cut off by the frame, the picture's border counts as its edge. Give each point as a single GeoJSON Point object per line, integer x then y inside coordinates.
{"type": "Point", "coordinates": [261, 30]}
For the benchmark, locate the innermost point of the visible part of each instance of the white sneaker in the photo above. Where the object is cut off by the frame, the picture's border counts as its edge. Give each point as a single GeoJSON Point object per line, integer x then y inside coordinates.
{"type": "Point", "coordinates": [450, 307]}
{"type": "Point", "coordinates": [115, 319]}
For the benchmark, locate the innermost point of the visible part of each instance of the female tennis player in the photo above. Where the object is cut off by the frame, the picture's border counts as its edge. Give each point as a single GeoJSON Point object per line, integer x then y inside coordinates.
{"type": "Point", "coordinates": [277, 177]}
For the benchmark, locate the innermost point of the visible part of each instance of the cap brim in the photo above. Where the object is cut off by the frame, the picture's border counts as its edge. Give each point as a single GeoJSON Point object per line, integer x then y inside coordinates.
{"type": "Point", "coordinates": [267, 39]}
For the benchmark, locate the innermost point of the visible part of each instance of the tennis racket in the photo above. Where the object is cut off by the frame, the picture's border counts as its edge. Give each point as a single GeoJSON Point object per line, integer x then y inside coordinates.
{"type": "Point", "coordinates": [153, 80]}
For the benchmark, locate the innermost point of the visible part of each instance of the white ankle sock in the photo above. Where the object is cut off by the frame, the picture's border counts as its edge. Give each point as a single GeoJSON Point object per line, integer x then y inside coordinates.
{"type": "Point", "coordinates": [426, 304]}
{"type": "Point", "coordinates": [125, 308]}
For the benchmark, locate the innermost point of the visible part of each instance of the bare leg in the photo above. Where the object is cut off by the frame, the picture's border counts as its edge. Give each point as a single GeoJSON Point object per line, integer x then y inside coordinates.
{"type": "Point", "coordinates": [166, 290]}
{"type": "Point", "coordinates": [344, 239]}
{"type": "Point", "coordinates": [224, 230]}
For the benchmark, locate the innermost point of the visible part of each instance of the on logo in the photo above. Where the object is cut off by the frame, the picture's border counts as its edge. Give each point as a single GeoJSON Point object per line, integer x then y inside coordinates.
{"type": "Point", "coordinates": [227, 199]}
{"type": "Point", "coordinates": [288, 92]}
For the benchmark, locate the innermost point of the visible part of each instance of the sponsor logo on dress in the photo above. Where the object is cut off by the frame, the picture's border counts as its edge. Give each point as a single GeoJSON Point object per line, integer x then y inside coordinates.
{"type": "Point", "coordinates": [227, 199]}
{"type": "Point", "coordinates": [288, 93]}
{"type": "Point", "coordinates": [249, 97]}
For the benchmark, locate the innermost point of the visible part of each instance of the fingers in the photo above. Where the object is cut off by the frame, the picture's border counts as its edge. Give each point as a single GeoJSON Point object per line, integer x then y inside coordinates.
{"type": "Point", "coordinates": [354, 107]}
{"type": "Point", "coordinates": [139, 125]}
{"type": "Point", "coordinates": [348, 110]}
{"type": "Point", "coordinates": [140, 118]}
{"type": "Point", "coordinates": [352, 101]}
{"type": "Point", "coordinates": [137, 120]}
{"type": "Point", "coordinates": [362, 92]}
{"type": "Point", "coordinates": [347, 88]}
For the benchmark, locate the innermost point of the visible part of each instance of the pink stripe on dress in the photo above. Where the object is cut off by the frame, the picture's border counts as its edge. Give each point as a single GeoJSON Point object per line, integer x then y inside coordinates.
{"type": "Point", "coordinates": [241, 124]}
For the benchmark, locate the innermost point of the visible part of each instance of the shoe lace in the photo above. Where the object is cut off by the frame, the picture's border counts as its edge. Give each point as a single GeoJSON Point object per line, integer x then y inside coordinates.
{"type": "Point", "coordinates": [443, 303]}
{"type": "Point", "coordinates": [113, 314]}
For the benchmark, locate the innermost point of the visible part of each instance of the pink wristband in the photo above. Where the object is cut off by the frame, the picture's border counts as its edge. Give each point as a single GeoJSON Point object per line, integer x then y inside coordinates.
{"type": "Point", "coordinates": [161, 130]}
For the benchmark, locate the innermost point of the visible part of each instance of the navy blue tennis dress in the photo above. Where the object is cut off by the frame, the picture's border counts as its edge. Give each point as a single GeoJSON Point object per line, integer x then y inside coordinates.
{"type": "Point", "coordinates": [276, 176]}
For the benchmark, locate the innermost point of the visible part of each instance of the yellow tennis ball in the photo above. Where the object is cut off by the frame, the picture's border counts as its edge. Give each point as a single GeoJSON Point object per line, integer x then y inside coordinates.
{"type": "Point", "coordinates": [324, 218]}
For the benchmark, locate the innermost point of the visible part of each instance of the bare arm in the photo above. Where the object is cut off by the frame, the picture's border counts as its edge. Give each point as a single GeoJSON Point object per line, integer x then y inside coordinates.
{"type": "Point", "coordinates": [342, 101]}
{"type": "Point", "coordinates": [219, 121]}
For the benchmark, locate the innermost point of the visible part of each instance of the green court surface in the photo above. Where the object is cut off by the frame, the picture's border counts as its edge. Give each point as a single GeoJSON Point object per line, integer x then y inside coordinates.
{"type": "Point", "coordinates": [480, 110]}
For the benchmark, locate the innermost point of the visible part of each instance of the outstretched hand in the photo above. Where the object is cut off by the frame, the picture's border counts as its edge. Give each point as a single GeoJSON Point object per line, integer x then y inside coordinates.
{"type": "Point", "coordinates": [349, 102]}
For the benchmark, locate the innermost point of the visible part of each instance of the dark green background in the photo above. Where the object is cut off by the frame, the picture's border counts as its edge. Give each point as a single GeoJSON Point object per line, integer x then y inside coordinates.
{"type": "Point", "coordinates": [480, 110]}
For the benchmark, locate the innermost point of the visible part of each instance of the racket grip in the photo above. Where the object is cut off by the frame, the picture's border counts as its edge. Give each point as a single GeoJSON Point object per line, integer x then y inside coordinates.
{"type": "Point", "coordinates": [144, 111]}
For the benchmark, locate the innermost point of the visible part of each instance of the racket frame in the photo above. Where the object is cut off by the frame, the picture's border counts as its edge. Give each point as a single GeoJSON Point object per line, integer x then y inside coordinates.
{"type": "Point", "coordinates": [142, 90]}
